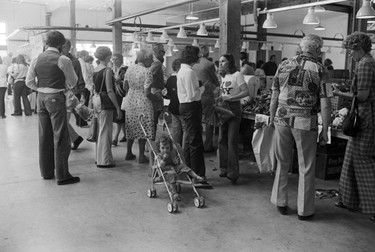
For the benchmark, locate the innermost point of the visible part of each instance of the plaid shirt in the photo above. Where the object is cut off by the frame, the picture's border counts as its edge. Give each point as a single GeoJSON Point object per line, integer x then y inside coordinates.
{"type": "Point", "coordinates": [300, 82]}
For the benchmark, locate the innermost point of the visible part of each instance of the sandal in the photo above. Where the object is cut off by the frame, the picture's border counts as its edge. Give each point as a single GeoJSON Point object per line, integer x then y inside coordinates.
{"type": "Point", "coordinates": [340, 204]}
{"type": "Point", "coordinates": [114, 142]}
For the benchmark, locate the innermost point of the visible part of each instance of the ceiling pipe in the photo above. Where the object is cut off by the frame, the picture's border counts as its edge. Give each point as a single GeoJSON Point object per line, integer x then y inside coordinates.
{"type": "Point", "coordinates": [149, 11]}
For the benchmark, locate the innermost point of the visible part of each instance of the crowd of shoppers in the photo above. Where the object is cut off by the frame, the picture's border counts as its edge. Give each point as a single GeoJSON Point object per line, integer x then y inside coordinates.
{"type": "Point", "coordinates": [299, 91]}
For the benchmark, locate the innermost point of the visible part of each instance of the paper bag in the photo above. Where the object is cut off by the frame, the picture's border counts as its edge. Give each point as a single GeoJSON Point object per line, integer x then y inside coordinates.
{"type": "Point", "coordinates": [264, 148]}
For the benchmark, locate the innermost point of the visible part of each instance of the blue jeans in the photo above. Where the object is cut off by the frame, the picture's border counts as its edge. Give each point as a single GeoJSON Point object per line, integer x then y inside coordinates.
{"type": "Point", "coordinates": [228, 143]}
{"type": "Point", "coordinates": [54, 140]}
{"type": "Point", "coordinates": [191, 114]}
{"type": "Point", "coordinates": [21, 90]}
{"type": "Point", "coordinates": [177, 129]}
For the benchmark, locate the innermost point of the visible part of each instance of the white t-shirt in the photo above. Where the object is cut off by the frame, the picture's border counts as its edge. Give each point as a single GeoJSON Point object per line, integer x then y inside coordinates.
{"type": "Point", "coordinates": [188, 89]}
{"type": "Point", "coordinates": [230, 84]}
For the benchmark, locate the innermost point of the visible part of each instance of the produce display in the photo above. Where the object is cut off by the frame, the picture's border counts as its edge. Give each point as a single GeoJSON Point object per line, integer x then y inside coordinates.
{"type": "Point", "coordinates": [259, 105]}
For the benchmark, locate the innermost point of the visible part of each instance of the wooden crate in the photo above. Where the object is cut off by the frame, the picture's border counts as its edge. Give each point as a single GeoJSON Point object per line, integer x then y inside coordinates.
{"type": "Point", "coordinates": [328, 165]}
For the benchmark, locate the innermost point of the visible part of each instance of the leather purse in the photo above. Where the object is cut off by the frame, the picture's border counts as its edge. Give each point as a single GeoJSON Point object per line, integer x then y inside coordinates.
{"type": "Point", "coordinates": [350, 125]}
{"type": "Point", "coordinates": [105, 101]}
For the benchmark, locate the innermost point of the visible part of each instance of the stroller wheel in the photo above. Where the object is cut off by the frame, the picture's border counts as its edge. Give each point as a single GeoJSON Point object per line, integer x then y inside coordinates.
{"type": "Point", "coordinates": [172, 207]}
{"type": "Point", "coordinates": [199, 202]}
{"type": "Point", "coordinates": [151, 193]}
{"type": "Point", "coordinates": [178, 188]}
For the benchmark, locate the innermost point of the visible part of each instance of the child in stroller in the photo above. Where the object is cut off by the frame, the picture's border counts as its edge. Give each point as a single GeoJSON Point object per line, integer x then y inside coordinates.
{"type": "Point", "coordinates": [171, 166]}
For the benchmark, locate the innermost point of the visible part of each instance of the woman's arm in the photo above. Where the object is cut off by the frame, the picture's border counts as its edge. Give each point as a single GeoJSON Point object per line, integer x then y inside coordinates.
{"type": "Point", "coordinates": [111, 93]}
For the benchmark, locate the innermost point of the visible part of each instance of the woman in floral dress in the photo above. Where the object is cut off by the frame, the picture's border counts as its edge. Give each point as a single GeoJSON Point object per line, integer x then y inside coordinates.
{"type": "Point", "coordinates": [138, 79]}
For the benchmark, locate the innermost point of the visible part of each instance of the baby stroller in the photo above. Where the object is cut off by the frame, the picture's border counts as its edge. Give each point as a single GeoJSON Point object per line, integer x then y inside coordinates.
{"type": "Point", "coordinates": [158, 178]}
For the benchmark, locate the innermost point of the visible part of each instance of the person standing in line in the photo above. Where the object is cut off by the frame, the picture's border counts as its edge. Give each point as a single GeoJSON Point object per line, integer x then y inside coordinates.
{"type": "Point", "coordinates": [3, 87]}
{"type": "Point", "coordinates": [206, 73]}
{"type": "Point", "coordinates": [270, 67]}
{"type": "Point", "coordinates": [357, 181]}
{"type": "Point", "coordinates": [232, 89]}
{"type": "Point", "coordinates": [173, 108]}
{"type": "Point", "coordinates": [138, 78]}
{"type": "Point", "coordinates": [103, 82]}
{"type": "Point", "coordinates": [75, 139]}
{"type": "Point", "coordinates": [158, 81]}
{"type": "Point", "coordinates": [55, 73]}
{"type": "Point", "coordinates": [246, 68]}
{"type": "Point", "coordinates": [299, 90]}
{"type": "Point", "coordinates": [20, 88]}
{"type": "Point", "coordinates": [119, 71]}
{"type": "Point", "coordinates": [189, 93]}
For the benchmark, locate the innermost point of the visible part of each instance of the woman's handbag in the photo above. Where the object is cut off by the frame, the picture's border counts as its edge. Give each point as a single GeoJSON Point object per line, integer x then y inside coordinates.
{"type": "Point", "coordinates": [350, 125]}
{"type": "Point", "coordinates": [105, 101]}
{"type": "Point", "coordinates": [223, 112]}
{"type": "Point", "coordinates": [93, 131]}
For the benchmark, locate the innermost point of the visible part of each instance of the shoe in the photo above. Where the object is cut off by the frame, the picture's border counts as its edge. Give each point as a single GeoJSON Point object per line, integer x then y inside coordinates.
{"type": "Point", "coordinates": [114, 142]}
{"type": "Point", "coordinates": [143, 159]}
{"type": "Point", "coordinates": [122, 140]}
{"type": "Point", "coordinates": [48, 178]}
{"type": "Point", "coordinates": [16, 114]}
{"type": "Point", "coordinates": [223, 173]}
{"type": "Point", "coordinates": [306, 217]}
{"type": "Point", "coordinates": [233, 180]}
{"type": "Point", "coordinates": [106, 166]}
{"type": "Point", "coordinates": [372, 218]}
{"type": "Point", "coordinates": [3, 116]}
{"type": "Point", "coordinates": [68, 181]}
{"type": "Point", "coordinates": [176, 197]}
{"type": "Point", "coordinates": [77, 142]}
{"type": "Point", "coordinates": [340, 204]}
{"type": "Point", "coordinates": [283, 210]}
{"type": "Point", "coordinates": [130, 156]}
{"type": "Point", "coordinates": [204, 185]}
{"type": "Point", "coordinates": [28, 114]}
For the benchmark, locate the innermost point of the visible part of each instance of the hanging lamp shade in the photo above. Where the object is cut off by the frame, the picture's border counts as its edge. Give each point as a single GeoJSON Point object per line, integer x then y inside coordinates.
{"type": "Point", "coordinates": [270, 22]}
{"type": "Point", "coordinates": [168, 53]}
{"type": "Point", "coordinates": [150, 37]}
{"type": "Point", "coordinates": [202, 30]}
{"type": "Point", "coordinates": [93, 45]}
{"type": "Point", "coordinates": [244, 45]}
{"type": "Point", "coordinates": [319, 9]}
{"type": "Point", "coordinates": [328, 50]}
{"type": "Point", "coordinates": [210, 50]}
{"type": "Point", "coordinates": [170, 42]}
{"type": "Point", "coordinates": [311, 18]}
{"type": "Point", "coordinates": [191, 16]}
{"type": "Point", "coordinates": [281, 47]}
{"type": "Point", "coordinates": [217, 44]}
{"type": "Point", "coordinates": [264, 46]}
{"type": "Point", "coordinates": [181, 33]}
{"type": "Point", "coordinates": [175, 49]}
{"type": "Point", "coordinates": [366, 11]}
{"type": "Point", "coordinates": [195, 43]}
{"type": "Point", "coordinates": [164, 35]}
{"type": "Point", "coordinates": [319, 28]}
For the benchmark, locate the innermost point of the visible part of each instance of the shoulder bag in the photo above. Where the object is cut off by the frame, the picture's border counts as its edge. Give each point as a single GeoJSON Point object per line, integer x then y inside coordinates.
{"type": "Point", "coordinates": [105, 101]}
{"type": "Point", "coordinates": [350, 125]}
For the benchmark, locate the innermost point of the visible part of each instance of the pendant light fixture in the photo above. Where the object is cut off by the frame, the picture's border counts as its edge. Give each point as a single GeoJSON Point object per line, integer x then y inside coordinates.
{"type": "Point", "coordinates": [319, 8]}
{"type": "Point", "coordinates": [191, 15]}
{"type": "Point", "coordinates": [281, 47]}
{"type": "Point", "coordinates": [244, 46]}
{"type": "Point", "coordinates": [311, 18]}
{"type": "Point", "coordinates": [217, 44]}
{"type": "Point", "coordinates": [150, 37]}
{"type": "Point", "coordinates": [210, 50]}
{"type": "Point", "coordinates": [164, 36]}
{"type": "Point", "coordinates": [181, 33]}
{"type": "Point", "coordinates": [328, 50]}
{"type": "Point", "coordinates": [195, 43]}
{"type": "Point", "coordinates": [270, 22]}
{"type": "Point", "coordinates": [319, 28]}
{"type": "Point", "coordinates": [366, 11]}
{"type": "Point", "coordinates": [175, 49]}
{"type": "Point", "coordinates": [93, 45]}
{"type": "Point", "coordinates": [170, 42]}
{"type": "Point", "coordinates": [264, 47]}
{"type": "Point", "coordinates": [202, 30]}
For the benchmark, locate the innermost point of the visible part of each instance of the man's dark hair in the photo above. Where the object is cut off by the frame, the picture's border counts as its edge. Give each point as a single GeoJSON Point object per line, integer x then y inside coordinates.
{"type": "Point", "coordinates": [55, 39]}
{"type": "Point", "coordinates": [190, 55]}
{"type": "Point", "coordinates": [176, 65]}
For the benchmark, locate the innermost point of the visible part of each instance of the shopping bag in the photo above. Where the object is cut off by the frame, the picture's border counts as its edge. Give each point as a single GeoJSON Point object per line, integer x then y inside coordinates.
{"type": "Point", "coordinates": [93, 131]}
{"type": "Point", "coordinates": [84, 112]}
{"type": "Point", "coordinates": [71, 100]}
{"type": "Point", "coordinates": [350, 125]}
{"type": "Point", "coordinates": [264, 148]}
{"type": "Point", "coordinates": [125, 103]}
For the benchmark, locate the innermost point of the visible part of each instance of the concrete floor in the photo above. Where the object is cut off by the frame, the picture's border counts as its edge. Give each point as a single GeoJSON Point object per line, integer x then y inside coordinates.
{"type": "Point", "coordinates": [109, 209]}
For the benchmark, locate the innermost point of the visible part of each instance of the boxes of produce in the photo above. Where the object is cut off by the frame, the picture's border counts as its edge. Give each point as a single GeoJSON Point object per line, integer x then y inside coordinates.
{"type": "Point", "coordinates": [328, 165]}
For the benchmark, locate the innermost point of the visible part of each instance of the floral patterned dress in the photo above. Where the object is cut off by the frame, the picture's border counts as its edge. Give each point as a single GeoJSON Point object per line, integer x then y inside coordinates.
{"type": "Point", "coordinates": [139, 78]}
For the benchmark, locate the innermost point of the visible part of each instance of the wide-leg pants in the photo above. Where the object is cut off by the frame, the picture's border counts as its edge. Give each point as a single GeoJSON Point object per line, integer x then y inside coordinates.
{"type": "Point", "coordinates": [306, 142]}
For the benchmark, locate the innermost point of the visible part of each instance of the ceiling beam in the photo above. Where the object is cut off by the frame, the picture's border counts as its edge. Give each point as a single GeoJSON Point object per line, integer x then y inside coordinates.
{"type": "Point", "coordinates": [286, 5]}
{"type": "Point", "coordinates": [152, 10]}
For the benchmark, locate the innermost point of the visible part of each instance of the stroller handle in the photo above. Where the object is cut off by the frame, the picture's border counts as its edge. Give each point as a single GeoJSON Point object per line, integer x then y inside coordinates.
{"type": "Point", "coordinates": [140, 123]}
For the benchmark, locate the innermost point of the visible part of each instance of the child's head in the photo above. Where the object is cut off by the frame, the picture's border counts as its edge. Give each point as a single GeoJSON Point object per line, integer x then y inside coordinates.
{"type": "Point", "coordinates": [165, 145]}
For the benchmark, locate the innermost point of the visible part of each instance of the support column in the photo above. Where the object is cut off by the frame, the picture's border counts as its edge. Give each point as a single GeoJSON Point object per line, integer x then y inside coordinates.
{"type": "Point", "coordinates": [230, 28]}
{"type": "Point", "coordinates": [48, 18]}
{"type": "Point", "coordinates": [261, 36]}
{"type": "Point", "coordinates": [117, 27]}
{"type": "Point", "coordinates": [73, 34]}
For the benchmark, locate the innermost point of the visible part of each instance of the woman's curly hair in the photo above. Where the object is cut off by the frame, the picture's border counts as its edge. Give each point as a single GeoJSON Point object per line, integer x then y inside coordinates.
{"type": "Point", "coordinates": [356, 41]}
